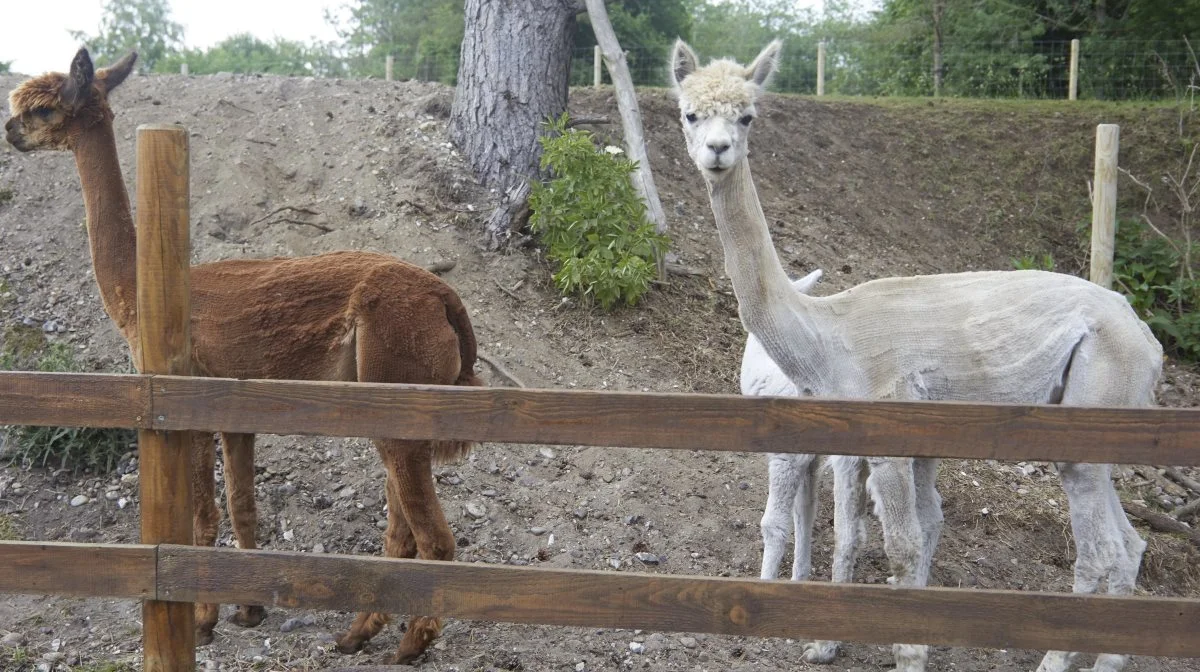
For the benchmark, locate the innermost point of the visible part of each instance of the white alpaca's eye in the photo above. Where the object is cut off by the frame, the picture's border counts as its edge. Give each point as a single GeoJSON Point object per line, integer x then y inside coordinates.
{"type": "Point", "coordinates": [745, 121]}
{"type": "Point", "coordinates": [691, 118]}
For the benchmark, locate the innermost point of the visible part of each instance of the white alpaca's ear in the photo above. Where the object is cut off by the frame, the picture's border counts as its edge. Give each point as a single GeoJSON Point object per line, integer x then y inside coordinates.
{"type": "Point", "coordinates": [683, 62]}
{"type": "Point", "coordinates": [804, 285]}
{"type": "Point", "coordinates": [764, 65]}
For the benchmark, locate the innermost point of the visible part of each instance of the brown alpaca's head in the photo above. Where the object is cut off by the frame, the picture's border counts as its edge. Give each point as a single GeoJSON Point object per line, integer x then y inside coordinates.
{"type": "Point", "coordinates": [52, 110]}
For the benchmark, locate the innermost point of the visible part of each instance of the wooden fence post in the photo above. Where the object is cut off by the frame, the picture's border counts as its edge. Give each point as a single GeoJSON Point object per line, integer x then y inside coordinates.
{"type": "Point", "coordinates": [388, 67]}
{"type": "Point", "coordinates": [597, 67]}
{"type": "Point", "coordinates": [1073, 90]}
{"type": "Point", "coordinates": [164, 311]}
{"type": "Point", "coordinates": [1104, 204]}
{"type": "Point", "coordinates": [183, 69]}
{"type": "Point", "coordinates": [821, 68]}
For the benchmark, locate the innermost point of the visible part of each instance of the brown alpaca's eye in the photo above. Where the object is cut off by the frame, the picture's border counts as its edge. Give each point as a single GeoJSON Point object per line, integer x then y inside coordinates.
{"type": "Point", "coordinates": [43, 112]}
{"type": "Point", "coordinates": [691, 118]}
{"type": "Point", "coordinates": [745, 121]}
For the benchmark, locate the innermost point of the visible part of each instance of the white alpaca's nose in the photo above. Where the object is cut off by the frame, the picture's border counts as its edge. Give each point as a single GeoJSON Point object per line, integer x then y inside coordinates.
{"type": "Point", "coordinates": [719, 146]}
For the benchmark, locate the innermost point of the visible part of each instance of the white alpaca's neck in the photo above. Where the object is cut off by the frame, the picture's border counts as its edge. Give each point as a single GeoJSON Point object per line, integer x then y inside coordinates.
{"type": "Point", "coordinates": [785, 321]}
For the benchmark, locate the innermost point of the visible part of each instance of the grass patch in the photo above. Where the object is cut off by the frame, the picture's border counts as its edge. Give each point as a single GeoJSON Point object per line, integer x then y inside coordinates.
{"type": "Point", "coordinates": [7, 195]}
{"type": "Point", "coordinates": [89, 449]}
{"type": "Point", "coordinates": [8, 529]}
{"type": "Point", "coordinates": [105, 667]}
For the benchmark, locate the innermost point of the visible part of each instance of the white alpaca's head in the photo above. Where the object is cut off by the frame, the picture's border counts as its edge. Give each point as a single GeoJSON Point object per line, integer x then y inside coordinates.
{"type": "Point", "coordinates": [716, 105]}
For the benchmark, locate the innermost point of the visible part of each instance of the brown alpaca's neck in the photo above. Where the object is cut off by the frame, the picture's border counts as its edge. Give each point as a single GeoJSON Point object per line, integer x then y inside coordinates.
{"type": "Point", "coordinates": [110, 225]}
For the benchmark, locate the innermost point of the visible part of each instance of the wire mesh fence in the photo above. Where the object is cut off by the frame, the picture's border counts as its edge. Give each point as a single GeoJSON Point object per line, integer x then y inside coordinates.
{"type": "Point", "coordinates": [1108, 69]}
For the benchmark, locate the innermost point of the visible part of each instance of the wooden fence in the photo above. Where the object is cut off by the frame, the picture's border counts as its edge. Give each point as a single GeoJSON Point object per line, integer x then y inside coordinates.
{"type": "Point", "coordinates": [169, 576]}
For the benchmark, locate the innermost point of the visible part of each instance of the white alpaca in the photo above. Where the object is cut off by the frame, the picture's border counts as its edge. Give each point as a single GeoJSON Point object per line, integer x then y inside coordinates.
{"type": "Point", "coordinates": [1019, 336]}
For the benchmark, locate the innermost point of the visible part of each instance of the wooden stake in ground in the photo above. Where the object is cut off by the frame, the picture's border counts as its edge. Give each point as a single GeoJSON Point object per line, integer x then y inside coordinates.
{"type": "Point", "coordinates": [1104, 204]}
{"type": "Point", "coordinates": [164, 312]}
{"type": "Point", "coordinates": [631, 116]}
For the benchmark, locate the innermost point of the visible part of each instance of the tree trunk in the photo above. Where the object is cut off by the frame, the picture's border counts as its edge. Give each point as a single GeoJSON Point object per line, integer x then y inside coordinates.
{"type": "Point", "coordinates": [512, 76]}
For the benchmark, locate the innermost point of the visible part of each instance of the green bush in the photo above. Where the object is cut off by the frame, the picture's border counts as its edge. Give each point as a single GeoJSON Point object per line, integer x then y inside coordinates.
{"type": "Point", "coordinates": [591, 220]}
{"type": "Point", "coordinates": [1032, 262]}
{"type": "Point", "coordinates": [1152, 272]}
{"type": "Point", "coordinates": [76, 448]}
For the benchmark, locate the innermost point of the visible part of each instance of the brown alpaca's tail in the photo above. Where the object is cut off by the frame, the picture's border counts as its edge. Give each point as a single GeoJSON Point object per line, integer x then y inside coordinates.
{"type": "Point", "coordinates": [445, 452]}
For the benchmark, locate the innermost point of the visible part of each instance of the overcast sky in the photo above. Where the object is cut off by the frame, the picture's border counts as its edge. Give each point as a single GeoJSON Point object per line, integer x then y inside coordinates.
{"type": "Point", "coordinates": [34, 36]}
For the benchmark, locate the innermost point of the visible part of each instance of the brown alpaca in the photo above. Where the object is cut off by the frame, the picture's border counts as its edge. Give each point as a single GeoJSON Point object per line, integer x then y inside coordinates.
{"type": "Point", "coordinates": [353, 316]}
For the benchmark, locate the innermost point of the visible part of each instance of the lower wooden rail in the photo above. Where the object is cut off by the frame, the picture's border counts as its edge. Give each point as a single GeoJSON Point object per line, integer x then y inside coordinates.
{"type": "Point", "coordinates": [877, 614]}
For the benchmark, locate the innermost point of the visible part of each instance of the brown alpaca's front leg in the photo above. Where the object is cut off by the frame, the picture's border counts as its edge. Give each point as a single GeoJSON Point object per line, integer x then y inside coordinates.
{"type": "Point", "coordinates": [243, 514]}
{"type": "Point", "coordinates": [205, 519]}
{"type": "Point", "coordinates": [398, 542]}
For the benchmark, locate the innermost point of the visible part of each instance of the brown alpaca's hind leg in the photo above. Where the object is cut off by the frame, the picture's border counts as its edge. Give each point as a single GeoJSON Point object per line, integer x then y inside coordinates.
{"type": "Point", "coordinates": [410, 467]}
{"type": "Point", "coordinates": [205, 519]}
{"type": "Point", "coordinates": [239, 492]}
{"type": "Point", "coordinates": [398, 542]}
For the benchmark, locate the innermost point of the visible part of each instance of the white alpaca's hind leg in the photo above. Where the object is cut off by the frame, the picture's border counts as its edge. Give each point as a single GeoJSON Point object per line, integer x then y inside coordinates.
{"type": "Point", "coordinates": [850, 532]}
{"type": "Point", "coordinates": [1106, 545]}
{"type": "Point", "coordinates": [804, 511]}
{"type": "Point", "coordinates": [893, 489]}
{"type": "Point", "coordinates": [784, 474]}
{"type": "Point", "coordinates": [929, 512]}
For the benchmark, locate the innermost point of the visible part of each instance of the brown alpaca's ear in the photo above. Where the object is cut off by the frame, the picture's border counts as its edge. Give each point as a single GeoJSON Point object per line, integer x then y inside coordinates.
{"type": "Point", "coordinates": [78, 86]}
{"type": "Point", "coordinates": [764, 65]}
{"type": "Point", "coordinates": [112, 76]}
{"type": "Point", "coordinates": [683, 62]}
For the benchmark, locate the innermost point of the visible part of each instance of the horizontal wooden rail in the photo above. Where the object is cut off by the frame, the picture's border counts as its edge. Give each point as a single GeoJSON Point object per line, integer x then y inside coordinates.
{"type": "Point", "coordinates": [878, 614]}
{"type": "Point", "coordinates": [78, 570]}
{"type": "Point", "coordinates": [679, 421]}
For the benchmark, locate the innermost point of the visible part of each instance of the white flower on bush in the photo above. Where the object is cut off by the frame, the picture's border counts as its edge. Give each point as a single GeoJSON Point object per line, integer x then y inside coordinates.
{"type": "Point", "coordinates": [614, 150]}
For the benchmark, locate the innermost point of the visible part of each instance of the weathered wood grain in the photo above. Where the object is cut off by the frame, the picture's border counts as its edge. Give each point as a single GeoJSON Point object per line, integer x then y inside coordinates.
{"type": "Point", "coordinates": [77, 570]}
{"type": "Point", "coordinates": [74, 399]}
{"type": "Point", "coordinates": [164, 346]}
{"type": "Point", "coordinates": [863, 613]}
{"type": "Point", "coordinates": [691, 422]}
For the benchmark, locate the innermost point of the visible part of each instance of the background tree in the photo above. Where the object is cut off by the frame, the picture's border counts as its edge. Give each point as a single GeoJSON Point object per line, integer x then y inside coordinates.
{"type": "Point", "coordinates": [5, 67]}
{"type": "Point", "coordinates": [646, 29]}
{"type": "Point", "coordinates": [144, 25]}
{"type": "Point", "coordinates": [424, 36]}
{"type": "Point", "coordinates": [246, 53]}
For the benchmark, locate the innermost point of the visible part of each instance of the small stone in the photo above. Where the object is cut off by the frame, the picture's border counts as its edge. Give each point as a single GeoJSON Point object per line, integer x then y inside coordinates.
{"type": "Point", "coordinates": [112, 495]}
{"type": "Point", "coordinates": [50, 327]}
{"type": "Point", "coordinates": [79, 500]}
{"type": "Point", "coordinates": [579, 514]}
{"type": "Point", "coordinates": [382, 524]}
{"type": "Point", "coordinates": [649, 558]}
{"type": "Point", "coordinates": [632, 520]}
{"type": "Point", "coordinates": [615, 563]}
{"type": "Point", "coordinates": [427, 125]}
{"type": "Point", "coordinates": [688, 642]}
{"type": "Point", "coordinates": [476, 510]}
{"type": "Point", "coordinates": [318, 548]}
{"type": "Point", "coordinates": [580, 667]}
{"type": "Point", "coordinates": [346, 493]}
{"type": "Point", "coordinates": [122, 503]}
{"type": "Point", "coordinates": [54, 656]}
{"type": "Point", "coordinates": [546, 452]}
{"type": "Point", "coordinates": [488, 493]}
{"type": "Point", "coordinates": [13, 639]}
{"type": "Point", "coordinates": [129, 479]}
{"type": "Point", "coordinates": [297, 623]}
{"type": "Point", "coordinates": [289, 535]}
{"type": "Point", "coordinates": [537, 531]}
{"type": "Point", "coordinates": [636, 647]}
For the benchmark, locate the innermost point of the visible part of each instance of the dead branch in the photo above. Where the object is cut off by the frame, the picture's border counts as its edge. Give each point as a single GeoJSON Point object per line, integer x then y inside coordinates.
{"type": "Point", "coordinates": [1169, 487]}
{"type": "Point", "coordinates": [288, 220]}
{"type": "Point", "coordinates": [234, 105]}
{"type": "Point", "coordinates": [261, 142]}
{"type": "Point", "coordinates": [508, 291]}
{"type": "Point", "coordinates": [276, 211]}
{"type": "Point", "coordinates": [1162, 523]}
{"type": "Point", "coordinates": [1186, 510]}
{"type": "Point", "coordinates": [680, 269]}
{"type": "Point", "coordinates": [440, 267]}
{"type": "Point", "coordinates": [1182, 479]}
{"type": "Point", "coordinates": [587, 121]}
{"type": "Point", "coordinates": [415, 206]}
{"type": "Point", "coordinates": [504, 373]}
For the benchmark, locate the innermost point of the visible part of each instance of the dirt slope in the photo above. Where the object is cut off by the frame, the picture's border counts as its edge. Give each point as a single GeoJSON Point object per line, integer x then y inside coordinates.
{"type": "Point", "coordinates": [297, 166]}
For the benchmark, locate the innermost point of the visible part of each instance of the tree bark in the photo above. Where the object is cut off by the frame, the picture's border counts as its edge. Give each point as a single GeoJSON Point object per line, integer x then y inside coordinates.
{"type": "Point", "coordinates": [631, 115]}
{"type": "Point", "coordinates": [512, 76]}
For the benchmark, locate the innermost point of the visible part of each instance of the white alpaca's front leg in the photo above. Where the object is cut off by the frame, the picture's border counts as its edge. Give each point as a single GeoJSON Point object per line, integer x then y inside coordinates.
{"type": "Point", "coordinates": [784, 477]}
{"type": "Point", "coordinates": [804, 512]}
{"type": "Point", "coordinates": [850, 533]}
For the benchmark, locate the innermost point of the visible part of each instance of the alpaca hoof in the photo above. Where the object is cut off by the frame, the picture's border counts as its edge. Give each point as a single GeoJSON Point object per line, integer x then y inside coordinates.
{"type": "Point", "coordinates": [403, 657]}
{"type": "Point", "coordinates": [1056, 661]}
{"type": "Point", "coordinates": [347, 644]}
{"type": "Point", "coordinates": [249, 616]}
{"type": "Point", "coordinates": [821, 652]}
{"type": "Point", "coordinates": [204, 636]}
